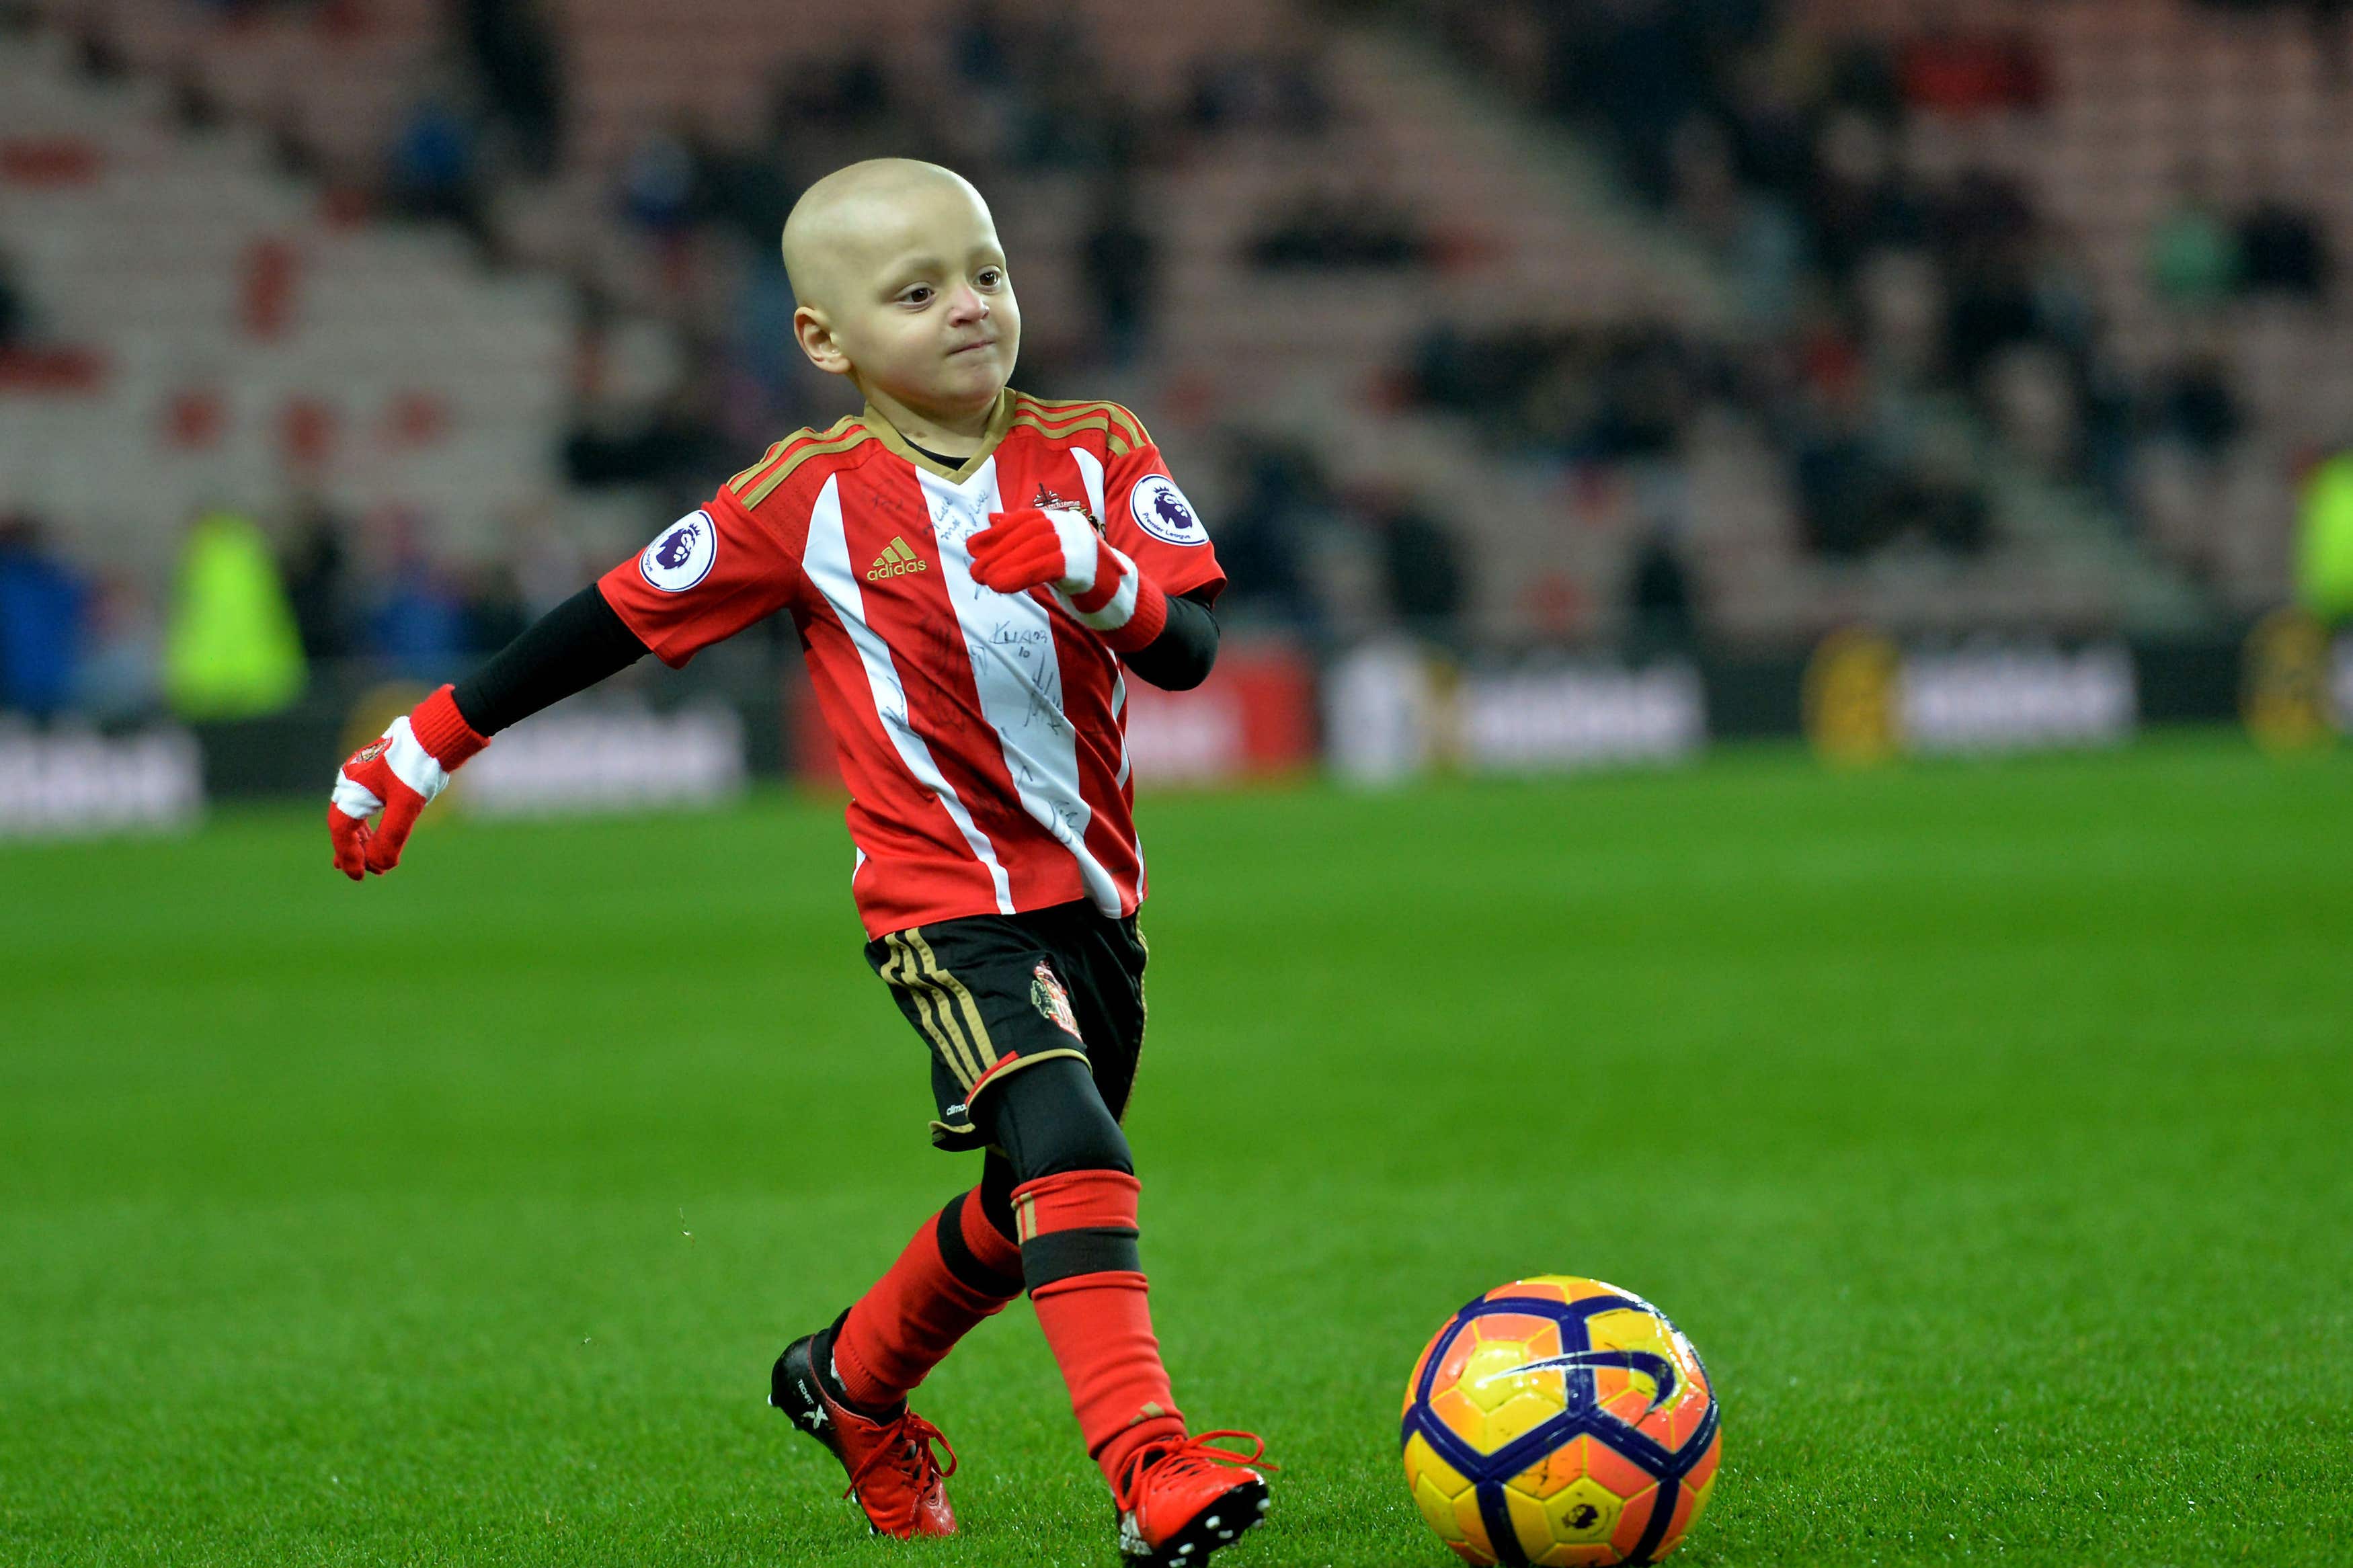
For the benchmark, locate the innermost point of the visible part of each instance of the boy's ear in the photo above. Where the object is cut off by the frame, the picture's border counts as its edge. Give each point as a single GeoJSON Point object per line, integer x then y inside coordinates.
{"type": "Point", "coordinates": [814, 334]}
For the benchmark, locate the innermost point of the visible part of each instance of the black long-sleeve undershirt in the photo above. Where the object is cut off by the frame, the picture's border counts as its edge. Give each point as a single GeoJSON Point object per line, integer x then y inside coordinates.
{"type": "Point", "coordinates": [1181, 656]}
{"type": "Point", "coordinates": [568, 649]}
{"type": "Point", "coordinates": [583, 640]}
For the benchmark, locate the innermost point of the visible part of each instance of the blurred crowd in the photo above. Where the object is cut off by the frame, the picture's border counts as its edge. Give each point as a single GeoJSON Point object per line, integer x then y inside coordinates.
{"type": "Point", "coordinates": [260, 609]}
{"type": "Point", "coordinates": [1869, 303]}
{"type": "Point", "coordinates": [1881, 327]}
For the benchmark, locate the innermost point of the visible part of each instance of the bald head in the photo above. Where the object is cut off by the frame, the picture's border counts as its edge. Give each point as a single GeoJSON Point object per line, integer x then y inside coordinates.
{"type": "Point", "coordinates": [855, 223]}
{"type": "Point", "coordinates": [900, 284]}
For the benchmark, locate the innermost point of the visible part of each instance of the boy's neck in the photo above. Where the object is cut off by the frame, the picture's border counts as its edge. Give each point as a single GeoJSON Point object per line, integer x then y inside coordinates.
{"type": "Point", "coordinates": [953, 432]}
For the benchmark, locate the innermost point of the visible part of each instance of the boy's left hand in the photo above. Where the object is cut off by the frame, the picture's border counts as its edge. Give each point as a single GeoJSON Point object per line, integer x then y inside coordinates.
{"type": "Point", "coordinates": [1060, 549]}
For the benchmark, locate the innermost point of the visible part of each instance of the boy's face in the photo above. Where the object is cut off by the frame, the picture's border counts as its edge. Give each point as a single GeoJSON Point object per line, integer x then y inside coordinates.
{"type": "Point", "coordinates": [909, 294]}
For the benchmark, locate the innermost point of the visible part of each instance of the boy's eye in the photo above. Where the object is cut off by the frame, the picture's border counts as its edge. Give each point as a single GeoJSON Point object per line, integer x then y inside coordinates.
{"type": "Point", "coordinates": [917, 295]}
{"type": "Point", "coordinates": [990, 277]}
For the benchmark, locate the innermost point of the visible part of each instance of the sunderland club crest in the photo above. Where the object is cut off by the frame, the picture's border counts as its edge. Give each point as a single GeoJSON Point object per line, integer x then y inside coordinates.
{"type": "Point", "coordinates": [1051, 500]}
{"type": "Point", "coordinates": [1046, 994]}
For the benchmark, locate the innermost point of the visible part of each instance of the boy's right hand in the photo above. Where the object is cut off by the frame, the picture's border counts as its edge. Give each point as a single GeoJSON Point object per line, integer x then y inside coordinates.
{"type": "Point", "coordinates": [396, 774]}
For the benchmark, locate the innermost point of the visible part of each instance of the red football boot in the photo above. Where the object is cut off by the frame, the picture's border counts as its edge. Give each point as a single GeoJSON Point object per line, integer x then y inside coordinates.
{"type": "Point", "coordinates": [1181, 1504]}
{"type": "Point", "coordinates": [894, 1472]}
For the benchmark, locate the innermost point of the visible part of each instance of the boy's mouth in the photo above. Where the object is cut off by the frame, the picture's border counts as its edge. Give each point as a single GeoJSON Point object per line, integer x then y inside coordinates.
{"type": "Point", "coordinates": [967, 348]}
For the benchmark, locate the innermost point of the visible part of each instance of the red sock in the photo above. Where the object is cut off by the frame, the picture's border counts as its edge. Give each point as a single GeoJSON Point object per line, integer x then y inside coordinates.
{"type": "Point", "coordinates": [958, 1269]}
{"type": "Point", "coordinates": [1078, 1253]}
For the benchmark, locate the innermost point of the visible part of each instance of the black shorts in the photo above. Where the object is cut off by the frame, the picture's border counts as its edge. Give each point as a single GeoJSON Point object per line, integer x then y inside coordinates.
{"type": "Point", "coordinates": [991, 994]}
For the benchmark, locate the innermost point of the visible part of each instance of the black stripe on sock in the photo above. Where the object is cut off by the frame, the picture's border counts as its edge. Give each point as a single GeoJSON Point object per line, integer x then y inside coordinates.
{"type": "Point", "coordinates": [965, 1263]}
{"type": "Point", "coordinates": [1065, 1254]}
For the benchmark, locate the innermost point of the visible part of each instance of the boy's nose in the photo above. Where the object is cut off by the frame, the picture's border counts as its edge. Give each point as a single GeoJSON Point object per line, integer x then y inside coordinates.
{"type": "Point", "coordinates": [967, 306]}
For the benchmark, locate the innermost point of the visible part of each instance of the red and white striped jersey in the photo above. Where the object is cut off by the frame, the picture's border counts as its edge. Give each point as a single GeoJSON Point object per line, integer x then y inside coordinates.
{"type": "Point", "coordinates": [983, 735]}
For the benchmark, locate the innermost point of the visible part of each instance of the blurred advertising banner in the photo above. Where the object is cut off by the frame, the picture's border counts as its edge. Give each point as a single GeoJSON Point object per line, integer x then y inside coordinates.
{"type": "Point", "coordinates": [592, 758]}
{"type": "Point", "coordinates": [1866, 699]}
{"type": "Point", "coordinates": [1254, 717]}
{"type": "Point", "coordinates": [1583, 717]}
{"type": "Point", "coordinates": [2296, 687]}
{"type": "Point", "coordinates": [70, 782]}
{"type": "Point", "coordinates": [1392, 713]}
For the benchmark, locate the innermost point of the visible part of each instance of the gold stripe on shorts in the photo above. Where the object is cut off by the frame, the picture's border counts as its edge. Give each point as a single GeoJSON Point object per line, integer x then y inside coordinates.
{"type": "Point", "coordinates": [899, 971]}
{"type": "Point", "coordinates": [948, 985]}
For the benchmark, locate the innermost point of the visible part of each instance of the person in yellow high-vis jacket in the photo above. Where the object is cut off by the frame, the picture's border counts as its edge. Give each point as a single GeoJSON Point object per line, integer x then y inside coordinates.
{"type": "Point", "coordinates": [2324, 555]}
{"type": "Point", "coordinates": [231, 651]}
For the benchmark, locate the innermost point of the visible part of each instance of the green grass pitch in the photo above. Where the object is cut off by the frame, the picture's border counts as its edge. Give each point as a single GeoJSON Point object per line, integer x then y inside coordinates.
{"type": "Point", "coordinates": [1989, 1128]}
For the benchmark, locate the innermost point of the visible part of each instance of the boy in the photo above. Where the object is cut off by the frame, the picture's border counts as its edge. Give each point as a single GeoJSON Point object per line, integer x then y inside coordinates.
{"type": "Point", "coordinates": [970, 570]}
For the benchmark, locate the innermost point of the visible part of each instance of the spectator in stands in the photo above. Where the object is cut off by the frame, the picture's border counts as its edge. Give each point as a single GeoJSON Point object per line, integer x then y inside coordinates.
{"type": "Point", "coordinates": [1661, 611]}
{"type": "Point", "coordinates": [1993, 307]}
{"type": "Point", "coordinates": [1321, 228]}
{"type": "Point", "coordinates": [1422, 567]}
{"type": "Point", "coordinates": [97, 54]}
{"type": "Point", "coordinates": [1281, 494]}
{"type": "Point", "coordinates": [434, 171]}
{"type": "Point", "coordinates": [849, 92]}
{"type": "Point", "coordinates": [2283, 251]}
{"type": "Point", "coordinates": [1646, 68]}
{"type": "Point", "coordinates": [291, 152]}
{"type": "Point", "coordinates": [2331, 20]}
{"type": "Point", "coordinates": [418, 627]}
{"type": "Point", "coordinates": [2328, 18]}
{"type": "Point", "coordinates": [2032, 402]}
{"type": "Point", "coordinates": [1936, 497]}
{"type": "Point", "coordinates": [1647, 385]}
{"type": "Point", "coordinates": [659, 179]}
{"type": "Point", "coordinates": [2194, 260]}
{"type": "Point", "coordinates": [1752, 234]}
{"type": "Point", "coordinates": [1120, 261]}
{"type": "Point", "coordinates": [745, 190]}
{"type": "Point", "coordinates": [1772, 100]}
{"type": "Point", "coordinates": [2194, 406]}
{"type": "Point", "coordinates": [43, 603]}
{"type": "Point", "coordinates": [193, 106]}
{"type": "Point", "coordinates": [495, 614]}
{"type": "Point", "coordinates": [514, 57]}
{"type": "Point", "coordinates": [316, 567]}
{"type": "Point", "coordinates": [14, 323]}
{"type": "Point", "coordinates": [1860, 200]}
{"type": "Point", "coordinates": [1840, 486]}
{"type": "Point", "coordinates": [1281, 91]}
{"type": "Point", "coordinates": [1066, 113]}
{"type": "Point", "coordinates": [667, 447]}
{"type": "Point", "coordinates": [118, 679]}
{"type": "Point", "coordinates": [978, 47]}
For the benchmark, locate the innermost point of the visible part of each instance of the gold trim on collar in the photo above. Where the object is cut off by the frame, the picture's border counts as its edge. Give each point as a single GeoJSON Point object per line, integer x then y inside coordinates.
{"type": "Point", "coordinates": [1000, 420]}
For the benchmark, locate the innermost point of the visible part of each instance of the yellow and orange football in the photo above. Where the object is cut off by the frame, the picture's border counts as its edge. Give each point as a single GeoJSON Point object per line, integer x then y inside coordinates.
{"type": "Point", "coordinates": [1560, 1421]}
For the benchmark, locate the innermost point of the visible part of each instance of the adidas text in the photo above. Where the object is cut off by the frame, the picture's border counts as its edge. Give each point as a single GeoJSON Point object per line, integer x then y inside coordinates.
{"type": "Point", "coordinates": [897, 560]}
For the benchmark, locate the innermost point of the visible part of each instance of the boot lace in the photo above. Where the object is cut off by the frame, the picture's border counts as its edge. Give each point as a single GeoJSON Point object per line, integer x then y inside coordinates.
{"type": "Point", "coordinates": [909, 1451]}
{"type": "Point", "coordinates": [1197, 1453]}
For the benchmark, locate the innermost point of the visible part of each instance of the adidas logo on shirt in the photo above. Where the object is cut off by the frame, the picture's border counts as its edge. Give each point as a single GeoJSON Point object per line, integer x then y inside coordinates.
{"type": "Point", "coordinates": [896, 561]}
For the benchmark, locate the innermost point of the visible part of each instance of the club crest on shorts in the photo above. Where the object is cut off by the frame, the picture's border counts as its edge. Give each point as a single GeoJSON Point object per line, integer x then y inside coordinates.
{"type": "Point", "coordinates": [681, 556]}
{"type": "Point", "coordinates": [1046, 994]}
{"type": "Point", "coordinates": [1162, 512]}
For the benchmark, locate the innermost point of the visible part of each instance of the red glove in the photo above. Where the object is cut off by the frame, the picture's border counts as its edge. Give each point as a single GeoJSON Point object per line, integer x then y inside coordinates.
{"type": "Point", "coordinates": [396, 774]}
{"type": "Point", "coordinates": [1060, 550]}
